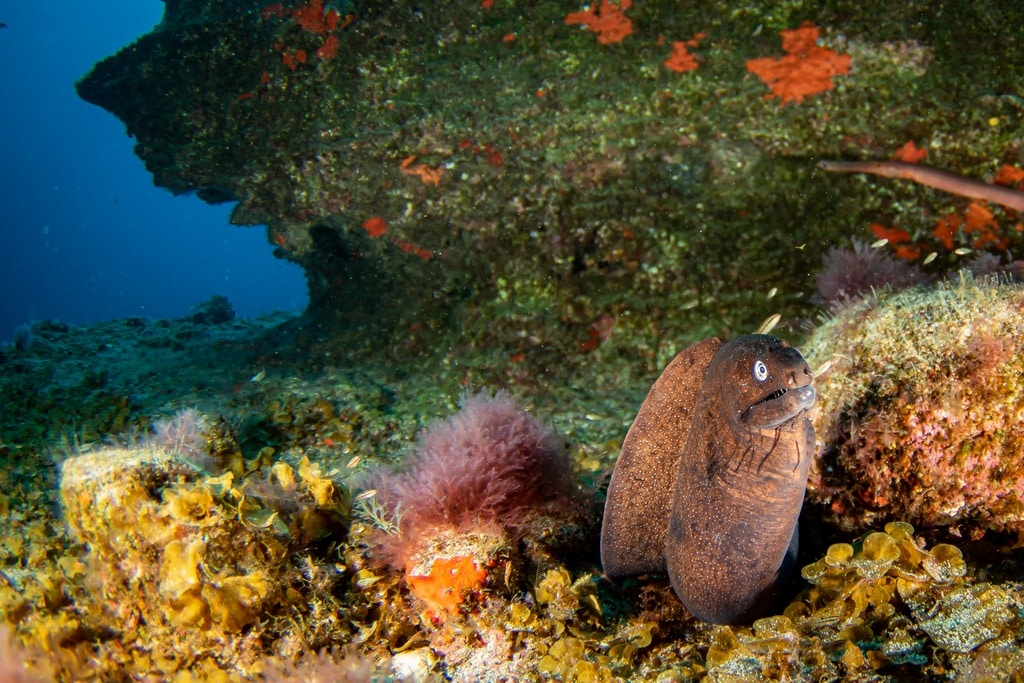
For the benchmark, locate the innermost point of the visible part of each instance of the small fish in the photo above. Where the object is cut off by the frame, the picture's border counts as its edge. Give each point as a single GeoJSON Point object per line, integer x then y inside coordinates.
{"type": "Point", "coordinates": [769, 323]}
{"type": "Point", "coordinates": [258, 377]}
{"type": "Point", "coordinates": [711, 477]}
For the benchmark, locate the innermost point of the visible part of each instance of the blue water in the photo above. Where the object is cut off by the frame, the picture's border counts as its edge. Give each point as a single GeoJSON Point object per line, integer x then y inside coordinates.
{"type": "Point", "coordinates": [86, 237]}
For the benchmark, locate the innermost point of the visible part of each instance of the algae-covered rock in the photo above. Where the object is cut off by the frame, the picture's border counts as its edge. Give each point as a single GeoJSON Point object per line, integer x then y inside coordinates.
{"type": "Point", "coordinates": [476, 519]}
{"type": "Point", "coordinates": [187, 561]}
{"type": "Point", "coordinates": [920, 408]}
{"type": "Point", "coordinates": [882, 591]}
{"type": "Point", "coordinates": [496, 169]}
{"type": "Point", "coordinates": [883, 601]}
{"type": "Point", "coordinates": [166, 551]}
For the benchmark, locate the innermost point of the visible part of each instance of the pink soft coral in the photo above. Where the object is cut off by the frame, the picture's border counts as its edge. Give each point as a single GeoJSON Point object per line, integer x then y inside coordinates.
{"type": "Point", "coordinates": [489, 466]}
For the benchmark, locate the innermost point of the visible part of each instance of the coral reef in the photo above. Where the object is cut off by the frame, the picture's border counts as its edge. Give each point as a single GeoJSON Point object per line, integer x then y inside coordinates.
{"type": "Point", "coordinates": [920, 410]}
{"type": "Point", "coordinates": [264, 564]}
{"type": "Point", "coordinates": [484, 196]}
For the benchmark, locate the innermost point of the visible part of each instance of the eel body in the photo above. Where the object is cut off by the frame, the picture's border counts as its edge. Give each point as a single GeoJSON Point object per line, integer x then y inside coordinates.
{"type": "Point", "coordinates": [946, 181]}
{"type": "Point", "coordinates": [711, 477]}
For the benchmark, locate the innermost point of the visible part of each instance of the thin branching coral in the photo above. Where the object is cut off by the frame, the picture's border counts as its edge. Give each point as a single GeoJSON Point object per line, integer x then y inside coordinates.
{"type": "Point", "coordinates": [847, 275]}
{"type": "Point", "coordinates": [484, 492]}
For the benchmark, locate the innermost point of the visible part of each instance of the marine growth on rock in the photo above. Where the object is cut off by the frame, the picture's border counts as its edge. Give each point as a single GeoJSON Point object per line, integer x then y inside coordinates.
{"type": "Point", "coordinates": [921, 412]}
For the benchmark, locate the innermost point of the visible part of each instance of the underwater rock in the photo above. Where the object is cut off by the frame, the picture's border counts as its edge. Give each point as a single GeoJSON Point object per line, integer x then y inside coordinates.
{"type": "Point", "coordinates": [316, 126]}
{"type": "Point", "coordinates": [165, 552]}
{"type": "Point", "coordinates": [921, 415]}
{"type": "Point", "coordinates": [881, 601]}
{"type": "Point", "coordinates": [214, 311]}
{"type": "Point", "coordinates": [189, 560]}
{"type": "Point", "coordinates": [889, 585]}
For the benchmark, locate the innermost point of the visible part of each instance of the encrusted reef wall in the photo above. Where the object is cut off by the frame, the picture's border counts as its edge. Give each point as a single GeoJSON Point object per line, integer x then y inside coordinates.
{"type": "Point", "coordinates": [542, 173]}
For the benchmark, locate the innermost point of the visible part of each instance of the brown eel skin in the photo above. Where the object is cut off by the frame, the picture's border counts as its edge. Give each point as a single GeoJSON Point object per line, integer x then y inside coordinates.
{"type": "Point", "coordinates": [946, 181]}
{"type": "Point", "coordinates": [711, 477]}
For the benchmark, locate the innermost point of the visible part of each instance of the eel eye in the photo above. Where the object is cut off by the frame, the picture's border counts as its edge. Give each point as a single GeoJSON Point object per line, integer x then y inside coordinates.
{"type": "Point", "coordinates": [760, 371]}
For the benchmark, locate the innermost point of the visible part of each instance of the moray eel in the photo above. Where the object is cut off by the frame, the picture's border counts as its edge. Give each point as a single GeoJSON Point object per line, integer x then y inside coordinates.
{"type": "Point", "coordinates": [711, 477]}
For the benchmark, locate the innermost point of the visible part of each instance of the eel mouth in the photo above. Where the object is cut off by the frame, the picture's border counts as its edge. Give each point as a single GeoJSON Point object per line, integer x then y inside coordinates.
{"type": "Point", "coordinates": [779, 406]}
{"type": "Point", "coordinates": [770, 397]}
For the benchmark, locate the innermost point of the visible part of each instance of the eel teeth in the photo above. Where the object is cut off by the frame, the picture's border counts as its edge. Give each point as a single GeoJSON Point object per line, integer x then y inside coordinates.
{"type": "Point", "coordinates": [770, 397]}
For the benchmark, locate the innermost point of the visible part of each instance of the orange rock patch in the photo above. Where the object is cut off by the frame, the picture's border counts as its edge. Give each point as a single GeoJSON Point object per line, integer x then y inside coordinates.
{"type": "Point", "coordinates": [445, 586]}
{"type": "Point", "coordinates": [806, 69]}
{"type": "Point", "coordinates": [606, 19]}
